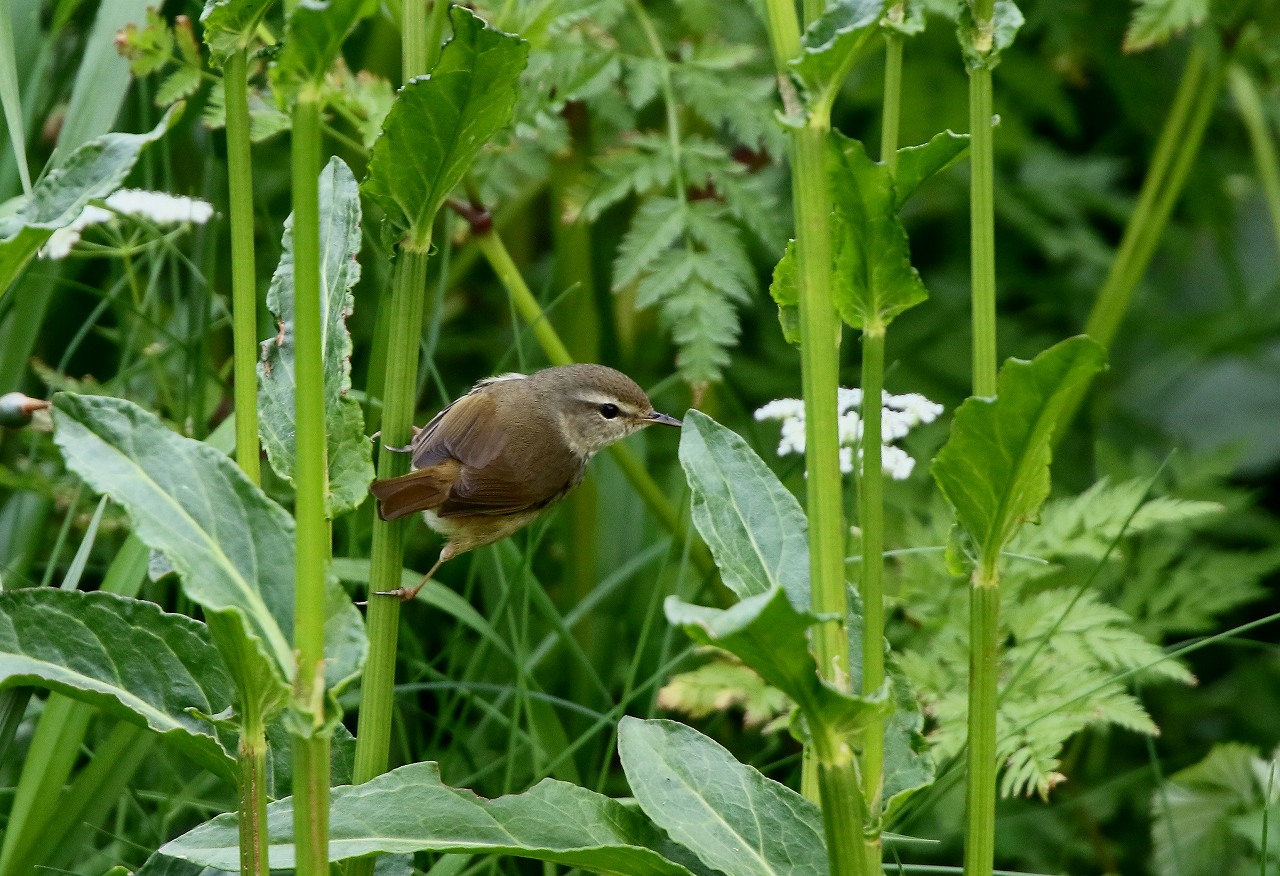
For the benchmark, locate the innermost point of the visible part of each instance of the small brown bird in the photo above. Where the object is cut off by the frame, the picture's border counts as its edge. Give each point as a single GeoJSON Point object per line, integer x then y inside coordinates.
{"type": "Point", "coordinates": [516, 444]}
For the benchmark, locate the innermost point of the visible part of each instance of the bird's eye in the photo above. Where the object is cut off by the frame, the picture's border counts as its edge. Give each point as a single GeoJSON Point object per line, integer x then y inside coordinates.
{"type": "Point", "coordinates": [608, 410]}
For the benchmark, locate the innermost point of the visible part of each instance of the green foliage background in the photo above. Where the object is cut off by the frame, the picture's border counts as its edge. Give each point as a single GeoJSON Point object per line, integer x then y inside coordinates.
{"type": "Point", "coordinates": [641, 192]}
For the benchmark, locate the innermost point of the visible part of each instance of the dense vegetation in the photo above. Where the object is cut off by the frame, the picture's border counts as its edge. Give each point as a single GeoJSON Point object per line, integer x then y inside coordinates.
{"type": "Point", "coordinates": [616, 181]}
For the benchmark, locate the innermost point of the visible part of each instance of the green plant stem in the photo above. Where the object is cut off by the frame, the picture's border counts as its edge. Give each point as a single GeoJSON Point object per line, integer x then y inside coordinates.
{"type": "Point", "coordinates": [311, 761]}
{"type": "Point", "coordinates": [495, 251]}
{"type": "Point", "coordinates": [984, 595]}
{"type": "Point", "coordinates": [244, 299]}
{"type": "Point", "coordinates": [399, 397]}
{"type": "Point", "coordinates": [891, 111]}
{"type": "Point", "coordinates": [871, 520]}
{"type": "Point", "coordinates": [1245, 93]}
{"type": "Point", "coordinates": [984, 659]}
{"type": "Point", "coordinates": [842, 808]}
{"type": "Point", "coordinates": [251, 762]}
{"type": "Point", "coordinates": [982, 231]}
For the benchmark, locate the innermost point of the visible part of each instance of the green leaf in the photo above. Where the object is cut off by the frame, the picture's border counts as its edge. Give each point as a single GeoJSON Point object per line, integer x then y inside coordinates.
{"type": "Point", "coordinates": [735, 819]}
{"type": "Point", "coordinates": [754, 527]}
{"type": "Point", "coordinates": [785, 290]}
{"type": "Point", "coordinates": [768, 633]}
{"type": "Point", "coordinates": [93, 171]}
{"type": "Point", "coordinates": [125, 656]}
{"type": "Point", "coordinates": [829, 44]}
{"type": "Point", "coordinates": [994, 469]}
{"type": "Point", "coordinates": [874, 279]}
{"type": "Point", "coordinates": [909, 22]}
{"type": "Point", "coordinates": [1155, 21]}
{"type": "Point", "coordinates": [231, 25]}
{"type": "Point", "coordinates": [981, 46]}
{"type": "Point", "coordinates": [409, 810]}
{"type": "Point", "coordinates": [917, 163]}
{"type": "Point", "coordinates": [232, 546]}
{"type": "Point", "coordinates": [350, 453]}
{"type": "Point", "coordinates": [313, 37]}
{"type": "Point", "coordinates": [439, 123]}
{"type": "Point", "coordinates": [657, 226]}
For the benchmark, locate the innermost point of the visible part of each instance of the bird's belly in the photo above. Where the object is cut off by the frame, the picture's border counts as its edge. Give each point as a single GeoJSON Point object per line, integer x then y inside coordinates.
{"type": "Point", "coordinates": [466, 532]}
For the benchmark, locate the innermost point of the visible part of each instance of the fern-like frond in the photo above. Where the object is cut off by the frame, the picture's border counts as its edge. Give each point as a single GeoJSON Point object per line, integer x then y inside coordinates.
{"type": "Point", "coordinates": [641, 166]}
{"type": "Point", "coordinates": [657, 226]}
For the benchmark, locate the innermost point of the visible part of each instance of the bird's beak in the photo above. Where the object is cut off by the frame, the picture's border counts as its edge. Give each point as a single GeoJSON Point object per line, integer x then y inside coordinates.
{"type": "Point", "coordinates": [664, 419]}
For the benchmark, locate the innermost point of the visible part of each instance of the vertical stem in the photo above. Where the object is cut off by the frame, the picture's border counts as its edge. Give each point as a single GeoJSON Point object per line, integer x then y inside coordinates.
{"type": "Point", "coordinates": [984, 656]}
{"type": "Point", "coordinates": [244, 299]}
{"type": "Point", "coordinates": [842, 807]}
{"type": "Point", "coordinates": [982, 231]}
{"type": "Point", "coordinates": [400, 390]}
{"type": "Point", "coordinates": [251, 761]}
{"type": "Point", "coordinates": [891, 111]}
{"type": "Point", "coordinates": [871, 519]}
{"type": "Point", "coordinates": [311, 762]}
{"type": "Point", "coordinates": [984, 596]}
{"type": "Point", "coordinates": [1245, 93]}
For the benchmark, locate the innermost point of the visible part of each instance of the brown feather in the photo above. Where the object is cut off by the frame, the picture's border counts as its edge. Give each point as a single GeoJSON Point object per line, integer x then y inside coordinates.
{"type": "Point", "coordinates": [417, 491]}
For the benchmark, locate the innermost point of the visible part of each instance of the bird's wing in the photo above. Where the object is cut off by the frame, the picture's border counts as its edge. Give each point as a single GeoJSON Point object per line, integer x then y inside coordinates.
{"type": "Point", "coordinates": [416, 491]}
{"type": "Point", "coordinates": [466, 430]}
{"type": "Point", "coordinates": [499, 489]}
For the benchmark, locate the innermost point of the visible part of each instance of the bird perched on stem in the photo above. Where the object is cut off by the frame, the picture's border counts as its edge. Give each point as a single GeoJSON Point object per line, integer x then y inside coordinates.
{"type": "Point", "coordinates": [513, 446]}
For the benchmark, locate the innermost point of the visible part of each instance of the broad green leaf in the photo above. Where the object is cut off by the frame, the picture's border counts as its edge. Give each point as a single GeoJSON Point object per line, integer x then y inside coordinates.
{"type": "Point", "coordinates": [409, 810]}
{"type": "Point", "coordinates": [873, 277]}
{"type": "Point", "coordinates": [95, 170]}
{"type": "Point", "coordinates": [350, 453]}
{"type": "Point", "coordinates": [231, 25]}
{"type": "Point", "coordinates": [735, 819]}
{"type": "Point", "coordinates": [125, 656]}
{"type": "Point", "coordinates": [767, 633]}
{"type": "Point", "coordinates": [440, 122]}
{"type": "Point", "coordinates": [917, 163]}
{"type": "Point", "coordinates": [231, 545]}
{"type": "Point", "coordinates": [753, 525]}
{"type": "Point", "coordinates": [785, 290]}
{"type": "Point", "coordinates": [981, 46]}
{"type": "Point", "coordinates": [313, 37]}
{"type": "Point", "coordinates": [1155, 21]}
{"type": "Point", "coordinates": [829, 44]}
{"type": "Point", "coordinates": [994, 469]}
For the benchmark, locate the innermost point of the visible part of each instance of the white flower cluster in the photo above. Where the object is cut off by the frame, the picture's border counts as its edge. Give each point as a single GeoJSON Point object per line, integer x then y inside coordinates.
{"type": "Point", "coordinates": [899, 415]}
{"type": "Point", "coordinates": [157, 207]}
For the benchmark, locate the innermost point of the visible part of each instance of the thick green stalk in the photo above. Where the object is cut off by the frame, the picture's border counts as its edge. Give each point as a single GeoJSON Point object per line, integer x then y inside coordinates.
{"type": "Point", "coordinates": [984, 596]}
{"type": "Point", "coordinates": [311, 761]}
{"type": "Point", "coordinates": [842, 807]}
{"type": "Point", "coordinates": [420, 46]}
{"type": "Point", "coordinates": [982, 233]}
{"type": "Point", "coordinates": [495, 251]}
{"type": "Point", "coordinates": [891, 111]}
{"type": "Point", "coordinates": [984, 660]}
{"type": "Point", "coordinates": [251, 765]}
{"type": "Point", "coordinates": [244, 299]}
{"type": "Point", "coordinates": [871, 520]}
{"type": "Point", "coordinates": [820, 354]}
{"type": "Point", "coordinates": [1245, 93]}
{"type": "Point", "coordinates": [377, 692]}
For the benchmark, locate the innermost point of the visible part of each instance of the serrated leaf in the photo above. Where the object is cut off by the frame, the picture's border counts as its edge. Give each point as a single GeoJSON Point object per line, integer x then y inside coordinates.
{"type": "Point", "coordinates": [830, 42]}
{"type": "Point", "coordinates": [1155, 21]}
{"type": "Point", "coordinates": [722, 684]}
{"type": "Point", "coordinates": [994, 469]}
{"type": "Point", "coordinates": [917, 163]}
{"type": "Point", "coordinates": [735, 819]}
{"type": "Point", "coordinates": [409, 810]}
{"type": "Point", "coordinates": [873, 277]}
{"type": "Point", "coordinates": [313, 37]}
{"type": "Point", "coordinates": [768, 633]}
{"type": "Point", "coordinates": [231, 25]}
{"type": "Point", "coordinates": [981, 46]}
{"type": "Point", "coordinates": [350, 453]}
{"type": "Point", "coordinates": [755, 528]}
{"type": "Point", "coordinates": [785, 290]}
{"type": "Point", "coordinates": [179, 85]}
{"type": "Point", "coordinates": [92, 171]}
{"type": "Point", "coordinates": [439, 122]}
{"type": "Point", "coordinates": [657, 226]}
{"type": "Point", "coordinates": [125, 656]}
{"type": "Point", "coordinates": [231, 545]}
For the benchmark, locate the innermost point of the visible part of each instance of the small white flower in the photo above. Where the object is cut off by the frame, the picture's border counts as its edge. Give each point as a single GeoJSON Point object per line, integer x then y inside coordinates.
{"type": "Point", "coordinates": [59, 244]}
{"type": "Point", "coordinates": [898, 416]}
{"type": "Point", "coordinates": [160, 207]}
